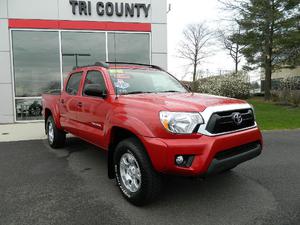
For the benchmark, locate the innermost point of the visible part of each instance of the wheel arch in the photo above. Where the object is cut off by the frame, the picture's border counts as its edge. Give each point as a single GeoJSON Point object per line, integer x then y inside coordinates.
{"type": "Point", "coordinates": [117, 134]}
{"type": "Point", "coordinates": [47, 113]}
{"type": "Point", "coordinates": [55, 114]}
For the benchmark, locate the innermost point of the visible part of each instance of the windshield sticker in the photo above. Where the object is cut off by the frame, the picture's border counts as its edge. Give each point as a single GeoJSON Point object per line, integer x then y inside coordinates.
{"type": "Point", "coordinates": [116, 71]}
{"type": "Point", "coordinates": [122, 91]}
{"type": "Point", "coordinates": [122, 76]}
{"type": "Point", "coordinates": [121, 84]}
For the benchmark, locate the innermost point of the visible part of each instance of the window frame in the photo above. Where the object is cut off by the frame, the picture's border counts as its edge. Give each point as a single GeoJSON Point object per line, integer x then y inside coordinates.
{"type": "Point", "coordinates": [69, 78]}
{"type": "Point", "coordinates": [80, 31]}
{"type": "Point", "coordinates": [12, 67]}
{"type": "Point", "coordinates": [122, 32]}
{"type": "Point", "coordinates": [86, 74]}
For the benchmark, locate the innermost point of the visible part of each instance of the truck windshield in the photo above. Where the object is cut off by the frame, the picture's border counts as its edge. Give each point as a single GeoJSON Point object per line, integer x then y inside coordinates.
{"type": "Point", "coordinates": [139, 81]}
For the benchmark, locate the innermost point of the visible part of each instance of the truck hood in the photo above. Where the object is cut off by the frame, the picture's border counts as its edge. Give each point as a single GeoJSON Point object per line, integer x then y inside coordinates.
{"type": "Point", "coordinates": [188, 102]}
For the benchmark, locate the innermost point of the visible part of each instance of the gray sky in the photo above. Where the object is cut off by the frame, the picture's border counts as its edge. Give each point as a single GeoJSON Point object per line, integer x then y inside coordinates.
{"type": "Point", "coordinates": [194, 11]}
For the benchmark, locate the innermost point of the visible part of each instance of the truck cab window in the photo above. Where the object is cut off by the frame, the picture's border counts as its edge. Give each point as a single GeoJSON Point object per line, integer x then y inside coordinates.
{"type": "Point", "coordinates": [73, 83]}
{"type": "Point", "coordinates": [94, 77]}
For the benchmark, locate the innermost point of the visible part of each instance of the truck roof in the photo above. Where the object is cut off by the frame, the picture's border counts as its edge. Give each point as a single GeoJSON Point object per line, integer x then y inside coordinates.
{"type": "Point", "coordinates": [109, 65]}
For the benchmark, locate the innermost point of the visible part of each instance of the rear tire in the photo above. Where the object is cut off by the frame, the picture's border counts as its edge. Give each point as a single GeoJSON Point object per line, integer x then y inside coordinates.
{"type": "Point", "coordinates": [56, 137]}
{"type": "Point", "coordinates": [135, 176]}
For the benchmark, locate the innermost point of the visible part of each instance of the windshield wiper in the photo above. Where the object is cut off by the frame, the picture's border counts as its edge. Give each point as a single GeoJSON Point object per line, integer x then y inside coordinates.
{"type": "Point", "coordinates": [137, 92]}
{"type": "Point", "coordinates": [148, 92]}
{"type": "Point", "coordinates": [169, 91]}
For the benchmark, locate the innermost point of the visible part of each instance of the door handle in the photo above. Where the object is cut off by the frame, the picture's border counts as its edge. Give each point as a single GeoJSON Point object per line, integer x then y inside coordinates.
{"type": "Point", "coordinates": [79, 104]}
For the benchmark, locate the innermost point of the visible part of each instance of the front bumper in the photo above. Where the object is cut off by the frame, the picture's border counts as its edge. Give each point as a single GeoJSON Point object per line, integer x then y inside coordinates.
{"type": "Point", "coordinates": [247, 152]}
{"type": "Point", "coordinates": [205, 150]}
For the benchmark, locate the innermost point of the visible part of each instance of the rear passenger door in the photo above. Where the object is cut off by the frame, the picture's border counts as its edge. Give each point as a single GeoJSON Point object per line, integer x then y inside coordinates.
{"type": "Point", "coordinates": [68, 105]}
{"type": "Point", "coordinates": [93, 110]}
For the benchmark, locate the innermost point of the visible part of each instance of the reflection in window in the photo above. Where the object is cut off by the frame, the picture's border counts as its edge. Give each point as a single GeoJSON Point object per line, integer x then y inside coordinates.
{"type": "Point", "coordinates": [29, 109]}
{"type": "Point", "coordinates": [73, 83]}
{"type": "Point", "coordinates": [125, 47]}
{"type": "Point", "coordinates": [94, 77]}
{"type": "Point", "coordinates": [36, 62]}
{"type": "Point", "coordinates": [82, 48]}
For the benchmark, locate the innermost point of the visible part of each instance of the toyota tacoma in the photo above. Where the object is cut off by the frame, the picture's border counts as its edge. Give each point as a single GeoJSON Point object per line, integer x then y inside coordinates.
{"type": "Point", "coordinates": [150, 124]}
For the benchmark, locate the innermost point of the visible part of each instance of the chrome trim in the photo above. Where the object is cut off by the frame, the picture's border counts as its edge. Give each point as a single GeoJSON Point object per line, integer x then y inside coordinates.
{"type": "Point", "coordinates": [130, 172]}
{"type": "Point", "coordinates": [207, 113]}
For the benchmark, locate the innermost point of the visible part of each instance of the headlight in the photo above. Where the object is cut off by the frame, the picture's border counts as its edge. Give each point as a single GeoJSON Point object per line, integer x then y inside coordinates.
{"type": "Point", "coordinates": [180, 122]}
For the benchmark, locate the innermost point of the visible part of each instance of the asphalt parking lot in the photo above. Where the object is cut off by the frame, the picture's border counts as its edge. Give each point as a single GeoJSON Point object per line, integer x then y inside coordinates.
{"type": "Point", "coordinates": [70, 186]}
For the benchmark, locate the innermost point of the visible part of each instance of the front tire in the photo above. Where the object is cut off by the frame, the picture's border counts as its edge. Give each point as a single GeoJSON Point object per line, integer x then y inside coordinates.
{"type": "Point", "coordinates": [56, 137]}
{"type": "Point", "coordinates": [135, 176]}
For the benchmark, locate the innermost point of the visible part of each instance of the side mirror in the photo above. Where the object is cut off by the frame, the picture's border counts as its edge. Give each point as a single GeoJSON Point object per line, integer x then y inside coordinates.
{"type": "Point", "coordinates": [187, 86]}
{"type": "Point", "coordinates": [94, 90]}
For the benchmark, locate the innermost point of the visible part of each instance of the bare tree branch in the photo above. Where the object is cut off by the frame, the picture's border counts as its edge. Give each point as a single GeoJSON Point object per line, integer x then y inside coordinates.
{"type": "Point", "coordinates": [233, 47]}
{"type": "Point", "coordinates": [192, 48]}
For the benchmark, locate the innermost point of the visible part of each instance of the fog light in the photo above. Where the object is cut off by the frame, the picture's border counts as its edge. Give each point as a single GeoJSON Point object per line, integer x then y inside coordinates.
{"type": "Point", "coordinates": [179, 160]}
{"type": "Point", "coordinates": [184, 160]}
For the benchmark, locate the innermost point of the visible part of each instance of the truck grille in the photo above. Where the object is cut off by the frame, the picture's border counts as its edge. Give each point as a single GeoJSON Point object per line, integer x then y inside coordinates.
{"type": "Point", "coordinates": [229, 121]}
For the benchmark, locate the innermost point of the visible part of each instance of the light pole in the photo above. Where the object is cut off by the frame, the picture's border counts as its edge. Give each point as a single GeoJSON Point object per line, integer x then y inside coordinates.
{"type": "Point", "coordinates": [76, 56]}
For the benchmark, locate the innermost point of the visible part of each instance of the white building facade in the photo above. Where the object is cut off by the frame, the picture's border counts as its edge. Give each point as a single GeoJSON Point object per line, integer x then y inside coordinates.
{"type": "Point", "coordinates": [42, 40]}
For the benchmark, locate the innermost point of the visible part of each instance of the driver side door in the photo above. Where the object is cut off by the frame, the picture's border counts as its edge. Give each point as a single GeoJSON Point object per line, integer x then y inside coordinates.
{"type": "Point", "coordinates": [93, 110]}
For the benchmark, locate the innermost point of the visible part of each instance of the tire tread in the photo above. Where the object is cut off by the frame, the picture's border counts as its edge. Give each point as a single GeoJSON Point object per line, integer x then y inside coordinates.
{"type": "Point", "coordinates": [152, 178]}
{"type": "Point", "coordinates": [59, 135]}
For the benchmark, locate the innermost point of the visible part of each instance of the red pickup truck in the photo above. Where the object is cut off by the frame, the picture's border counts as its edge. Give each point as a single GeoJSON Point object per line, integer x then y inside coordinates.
{"type": "Point", "coordinates": [150, 124]}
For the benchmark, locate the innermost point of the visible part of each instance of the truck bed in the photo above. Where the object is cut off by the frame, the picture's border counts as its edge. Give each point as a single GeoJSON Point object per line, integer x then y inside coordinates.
{"type": "Point", "coordinates": [51, 100]}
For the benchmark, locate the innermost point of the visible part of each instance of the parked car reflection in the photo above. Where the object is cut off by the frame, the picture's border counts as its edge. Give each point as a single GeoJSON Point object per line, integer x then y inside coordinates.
{"type": "Point", "coordinates": [29, 109]}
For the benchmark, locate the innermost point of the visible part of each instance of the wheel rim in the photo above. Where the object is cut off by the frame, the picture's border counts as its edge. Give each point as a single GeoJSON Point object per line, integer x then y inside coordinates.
{"type": "Point", "coordinates": [50, 133]}
{"type": "Point", "coordinates": [130, 172]}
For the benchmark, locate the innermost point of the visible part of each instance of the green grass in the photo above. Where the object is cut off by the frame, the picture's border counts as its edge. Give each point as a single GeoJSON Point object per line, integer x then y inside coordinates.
{"type": "Point", "coordinates": [270, 116]}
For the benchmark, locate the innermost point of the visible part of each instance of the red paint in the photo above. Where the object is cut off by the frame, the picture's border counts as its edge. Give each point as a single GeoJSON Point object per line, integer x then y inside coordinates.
{"type": "Point", "coordinates": [37, 24]}
{"type": "Point", "coordinates": [78, 25]}
{"type": "Point", "coordinates": [139, 114]}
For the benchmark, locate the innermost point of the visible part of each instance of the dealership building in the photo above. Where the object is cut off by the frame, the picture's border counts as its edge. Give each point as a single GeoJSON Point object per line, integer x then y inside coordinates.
{"type": "Point", "coordinates": [42, 40]}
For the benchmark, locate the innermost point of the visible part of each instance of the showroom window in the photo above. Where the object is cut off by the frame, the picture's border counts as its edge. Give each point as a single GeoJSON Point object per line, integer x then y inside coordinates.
{"type": "Point", "coordinates": [128, 47]}
{"type": "Point", "coordinates": [36, 70]}
{"type": "Point", "coordinates": [39, 68]}
{"type": "Point", "coordinates": [82, 48]}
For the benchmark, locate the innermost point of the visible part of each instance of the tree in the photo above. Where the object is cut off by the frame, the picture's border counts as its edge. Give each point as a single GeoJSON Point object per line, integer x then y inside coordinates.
{"type": "Point", "coordinates": [270, 34]}
{"type": "Point", "coordinates": [192, 48]}
{"type": "Point", "coordinates": [231, 44]}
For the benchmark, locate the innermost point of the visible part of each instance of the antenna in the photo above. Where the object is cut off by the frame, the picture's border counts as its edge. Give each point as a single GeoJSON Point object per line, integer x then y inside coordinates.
{"type": "Point", "coordinates": [169, 8]}
{"type": "Point", "coordinates": [115, 58]}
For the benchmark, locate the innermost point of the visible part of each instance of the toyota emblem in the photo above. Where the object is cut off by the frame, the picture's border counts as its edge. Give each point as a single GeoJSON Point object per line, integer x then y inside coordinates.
{"type": "Point", "coordinates": [237, 118]}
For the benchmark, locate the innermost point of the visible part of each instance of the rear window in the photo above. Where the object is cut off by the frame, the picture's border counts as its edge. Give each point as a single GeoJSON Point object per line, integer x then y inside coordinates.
{"type": "Point", "coordinates": [73, 83]}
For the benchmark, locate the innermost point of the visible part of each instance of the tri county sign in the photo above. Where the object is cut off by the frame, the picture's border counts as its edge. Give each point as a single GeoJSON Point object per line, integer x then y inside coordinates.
{"type": "Point", "coordinates": [120, 9]}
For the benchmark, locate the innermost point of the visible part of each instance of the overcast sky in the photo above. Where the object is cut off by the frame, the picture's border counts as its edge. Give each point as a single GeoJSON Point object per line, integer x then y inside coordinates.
{"type": "Point", "coordinates": [194, 11]}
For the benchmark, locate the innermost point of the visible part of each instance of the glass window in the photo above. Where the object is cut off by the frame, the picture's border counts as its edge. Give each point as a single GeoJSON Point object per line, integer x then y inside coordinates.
{"type": "Point", "coordinates": [36, 62]}
{"type": "Point", "coordinates": [73, 83]}
{"type": "Point", "coordinates": [126, 47]}
{"type": "Point", "coordinates": [29, 109]}
{"type": "Point", "coordinates": [94, 77]}
{"type": "Point", "coordinates": [136, 81]}
{"type": "Point", "coordinates": [82, 48]}
{"type": "Point", "coordinates": [36, 59]}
